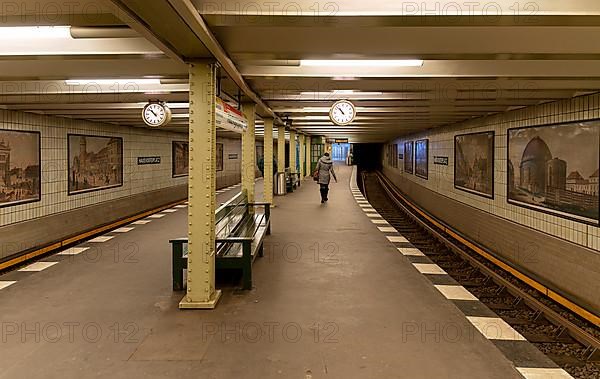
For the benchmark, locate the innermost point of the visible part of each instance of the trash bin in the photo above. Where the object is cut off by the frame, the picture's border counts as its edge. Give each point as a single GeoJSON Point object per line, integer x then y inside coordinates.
{"type": "Point", "coordinates": [280, 184]}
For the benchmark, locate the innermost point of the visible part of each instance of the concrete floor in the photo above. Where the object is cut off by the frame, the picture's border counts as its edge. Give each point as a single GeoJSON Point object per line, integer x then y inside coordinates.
{"type": "Point", "coordinates": [333, 298]}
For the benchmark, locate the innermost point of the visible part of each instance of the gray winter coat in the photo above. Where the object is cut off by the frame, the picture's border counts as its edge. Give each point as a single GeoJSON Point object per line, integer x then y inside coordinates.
{"type": "Point", "coordinates": [325, 166]}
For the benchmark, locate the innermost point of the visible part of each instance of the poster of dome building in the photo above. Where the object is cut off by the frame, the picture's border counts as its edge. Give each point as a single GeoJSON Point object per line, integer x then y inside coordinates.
{"type": "Point", "coordinates": [474, 163]}
{"type": "Point", "coordinates": [554, 168]}
{"type": "Point", "coordinates": [19, 167]}
{"type": "Point", "coordinates": [95, 163]}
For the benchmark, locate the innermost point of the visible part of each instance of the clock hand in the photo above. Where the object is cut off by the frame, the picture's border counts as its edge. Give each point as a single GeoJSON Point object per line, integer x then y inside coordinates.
{"type": "Point", "coordinates": [154, 113]}
{"type": "Point", "coordinates": [343, 113]}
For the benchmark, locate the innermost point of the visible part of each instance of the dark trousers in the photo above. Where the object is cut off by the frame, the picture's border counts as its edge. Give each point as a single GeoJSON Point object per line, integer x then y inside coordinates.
{"type": "Point", "coordinates": [324, 191]}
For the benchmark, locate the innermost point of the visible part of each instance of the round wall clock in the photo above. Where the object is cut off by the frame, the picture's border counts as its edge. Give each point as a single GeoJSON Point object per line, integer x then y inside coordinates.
{"type": "Point", "coordinates": [342, 112]}
{"type": "Point", "coordinates": [156, 114]}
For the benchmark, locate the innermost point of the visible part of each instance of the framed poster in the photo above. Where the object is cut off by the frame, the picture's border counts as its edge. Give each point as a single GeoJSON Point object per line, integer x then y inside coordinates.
{"type": "Point", "coordinates": [422, 158]}
{"type": "Point", "coordinates": [554, 169]}
{"type": "Point", "coordinates": [408, 156]}
{"type": "Point", "coordinates": [474, 163]}
{"type": "Point", "coordinates": [219, 157]}
{"type": "Point", "coordinates": [20, 176]}
{"type": "Point", "coordinates": [95, 163]}
{"type": "Point", "coordinates": [181, 158]}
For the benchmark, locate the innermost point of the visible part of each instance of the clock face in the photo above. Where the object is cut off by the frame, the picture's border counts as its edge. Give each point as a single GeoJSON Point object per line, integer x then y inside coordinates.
{"type": "Point", "coordinates": [155, 114]}
{"type": "Point", "coordinates": [342, 112]}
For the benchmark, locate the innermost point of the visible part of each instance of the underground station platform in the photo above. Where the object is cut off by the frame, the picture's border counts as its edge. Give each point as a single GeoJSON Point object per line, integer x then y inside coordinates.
{"type": "Point", "coordinates": [201, 189]}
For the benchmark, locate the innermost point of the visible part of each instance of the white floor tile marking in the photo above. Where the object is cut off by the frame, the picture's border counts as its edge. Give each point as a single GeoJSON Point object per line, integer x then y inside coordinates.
{"type": "Point", "coordinates": [495, 328]}
{"type": "Point", "coordinates": [170, 211]}
{"type": "Point", "coordinates": [6, 283]}
{"type": "Point", "coordinates": [181, 206]}
{"type": "Point", "coordinates": [544, 373]}
{"type": "Point", "coordinates": [373, 215]}
{"type": "Point", "coordinates": [73, 251]}
{"type": "Point", "coordinates": [398, 239]}
{"type": "Point", "coordinates": [123, 230]}
{"type": "Point", "coordinates": [101, 239]}
{"type": "Point", "coordinates": [158, 215]}
{"type": "Point", "coordinates": [379, 222]}
{"type": "Point", "coordinates": [411, 251]}
{"type": "Point", "coordinates": [367, 205]}
{"type": "Point", "coordinates": [429, 268]}
{"type": "Point", "coordinates": [361, 202]}
{"type": "Point", "coordinates": [369, 210]}
{"type": "Point", "coordinates": [455, 292]}
{"type": "Point", "coordinates": [38, 266]}
{"type": "Point", "coordinates": [141, 222]}
{"type": "Point", "coordinates": [387, 229]}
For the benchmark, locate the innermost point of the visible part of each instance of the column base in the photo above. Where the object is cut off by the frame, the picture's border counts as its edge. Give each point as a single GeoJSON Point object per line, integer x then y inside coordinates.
{"type": "Point", "coordinates": [209, 304]}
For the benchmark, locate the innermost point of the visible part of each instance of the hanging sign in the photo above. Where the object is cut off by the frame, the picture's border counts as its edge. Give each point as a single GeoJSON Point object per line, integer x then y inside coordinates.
{"type": "Point", "coordinates": [229, 118]}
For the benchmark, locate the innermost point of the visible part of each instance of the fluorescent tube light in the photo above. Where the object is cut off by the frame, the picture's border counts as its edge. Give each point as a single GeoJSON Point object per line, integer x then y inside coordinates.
{"type": "Point", "coordinates": [76, 82]}
{"type": "Point", "coordinates": [361, 63]}
{"type": "Point", "coordinates": [34, 32]}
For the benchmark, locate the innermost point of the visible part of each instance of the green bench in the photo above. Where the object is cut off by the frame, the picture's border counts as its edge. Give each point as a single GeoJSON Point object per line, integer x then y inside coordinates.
{"type": "Point", "coordinates": [240, 229]}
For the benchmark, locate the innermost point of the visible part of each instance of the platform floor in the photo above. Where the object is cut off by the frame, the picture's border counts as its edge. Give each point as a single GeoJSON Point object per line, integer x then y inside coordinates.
{"type": "Point", "coordinates": [333, 298]}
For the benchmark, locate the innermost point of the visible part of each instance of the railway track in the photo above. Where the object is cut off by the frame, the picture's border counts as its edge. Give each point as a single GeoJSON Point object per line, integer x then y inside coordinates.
{"type": "Point", "coordinates": [568, 340]}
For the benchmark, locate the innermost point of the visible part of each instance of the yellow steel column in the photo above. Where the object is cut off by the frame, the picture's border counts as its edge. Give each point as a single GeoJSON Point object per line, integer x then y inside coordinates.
{"type": "Point", "coordinates": [292, 151]}
{"type": "Point", "coordinates": [268, 161]}
{"type": "Point", "coordinates": [281, 149]}
{"type": "Point", "coordinates": [308, 157]}
{"type": "Point", "coordinates": [201, 292]}
{"type": "Point", "coordinates": [249, 152]}
{"type": "Point", "coordinates": [301, 140]}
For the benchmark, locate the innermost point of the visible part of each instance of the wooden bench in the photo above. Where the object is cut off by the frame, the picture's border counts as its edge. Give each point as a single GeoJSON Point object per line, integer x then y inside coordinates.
{"type": "Point", "coordinates": [240, 229]}
{"type": "Point", "coordinates": [292, 180]}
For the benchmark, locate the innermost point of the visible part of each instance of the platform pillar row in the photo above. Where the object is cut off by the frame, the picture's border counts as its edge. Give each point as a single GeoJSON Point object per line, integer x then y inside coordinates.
{"type": "Point", "coordinates": [302, 141]}
{"type": "Point", "coordinates": [249, 151]}
{"type": "Point", "coordinates": [292, 152]}
{"type": "Point", "coordinates": [308, 156]}
{"type": "Point", "coordinates": [281, 149]}
{"type": "Point", "coordinates": [268, 161]}
{"type": "Point", "coordinates": [201, 292]}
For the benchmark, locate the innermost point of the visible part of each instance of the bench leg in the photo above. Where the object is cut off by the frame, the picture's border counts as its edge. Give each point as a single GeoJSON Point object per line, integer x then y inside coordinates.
{"type": "Point", "coordinates": [247, 267]}
{"type": "Point", "coordinates": [261, 252]}
{"type": "Point", "coordinates": [178, 267]}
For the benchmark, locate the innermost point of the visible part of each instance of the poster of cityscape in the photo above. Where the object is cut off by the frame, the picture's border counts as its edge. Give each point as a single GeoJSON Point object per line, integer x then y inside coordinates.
{"type": "Point", "coordinates": [474, 163]}
{"type": "Point", "coordinates": [181, 158]}
{"type": "Point", "coordinates": [95, 163]}
{"type": "Point", "coordinates": [20, 177]}
{"type": "Point", "coordinates": [408, 156]}
{"type": "Point", "coordinates": [554, 169]}
{"type": "Point", "coordinates": [421, 158]}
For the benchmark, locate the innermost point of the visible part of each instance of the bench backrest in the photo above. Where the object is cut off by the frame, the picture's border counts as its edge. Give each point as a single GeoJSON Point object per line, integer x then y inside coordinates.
{"type": "Point", "coordinates": [230, 214]}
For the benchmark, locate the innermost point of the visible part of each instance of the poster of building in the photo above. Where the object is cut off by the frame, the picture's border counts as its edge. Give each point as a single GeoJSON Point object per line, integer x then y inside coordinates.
{"type": "Point", "coordinates": [554, 168]}
{"type": "Point", "coordinates": [474, 163]}
{"type": "Point", "coordinates": [20, 176]}
{"type": "Point", "coordinates": [421, 158]}
{"type": "Point", "coordinates": [408, 157]}
{"type": "Point", "coordinates": [219, 157]}
{"type": "Point", "coordinates": [181, 158]}
{"type": "Point", "coordinates": [95, 163]}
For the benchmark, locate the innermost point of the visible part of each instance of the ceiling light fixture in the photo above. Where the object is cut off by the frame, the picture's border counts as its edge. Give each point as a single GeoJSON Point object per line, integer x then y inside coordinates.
{"type": "Point", "coordinates": [31, 32]}
{"type": "Point", "coordinates": [361, 63]}
{"type": "Point", "coordinates": [80, 82]}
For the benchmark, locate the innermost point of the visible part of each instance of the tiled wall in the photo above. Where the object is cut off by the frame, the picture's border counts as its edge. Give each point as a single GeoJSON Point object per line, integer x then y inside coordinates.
{"type": "Point", "coordinates": [137, 142]}
{"type": "Point", "coordinates": [441, 178]}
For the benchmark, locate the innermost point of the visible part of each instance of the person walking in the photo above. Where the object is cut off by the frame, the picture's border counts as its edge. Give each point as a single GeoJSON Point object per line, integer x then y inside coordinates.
{"type": "Point", "coordinates": [323, 175]}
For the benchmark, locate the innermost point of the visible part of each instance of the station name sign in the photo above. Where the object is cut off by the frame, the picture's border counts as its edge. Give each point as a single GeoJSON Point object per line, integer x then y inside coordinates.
{"type": "Point", "coordinates": [337, 140]}
{"type": "Point", "coordinates": [148, 160]}
{"type": "Point", "coordinates": [440, 160]}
